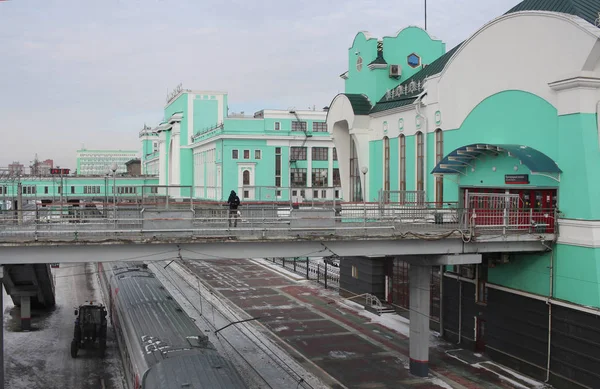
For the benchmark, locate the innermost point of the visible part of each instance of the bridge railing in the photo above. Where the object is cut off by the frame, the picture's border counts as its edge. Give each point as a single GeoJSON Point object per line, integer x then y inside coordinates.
{"type": "Point", "coordinates": [268, 220]}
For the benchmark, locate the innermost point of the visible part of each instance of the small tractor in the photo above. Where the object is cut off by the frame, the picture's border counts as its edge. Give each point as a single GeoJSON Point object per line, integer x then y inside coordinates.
{"type": "Point", "coordinates": [90, 328]}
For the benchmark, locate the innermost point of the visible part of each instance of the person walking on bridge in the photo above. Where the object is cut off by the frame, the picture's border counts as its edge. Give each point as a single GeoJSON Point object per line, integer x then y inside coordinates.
{"type": "Point", "coordinates": [234, 202]}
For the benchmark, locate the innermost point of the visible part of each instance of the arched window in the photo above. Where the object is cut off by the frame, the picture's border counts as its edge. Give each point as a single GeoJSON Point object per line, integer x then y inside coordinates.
{"type": "Point", "coordinates": [402, 162]}
{"type": "Point", "coordinates": [355, 186]}
{"type": "Point", "coordinates": [439, 155]}
{"type": "Point", "coordinates": [386, 163]}
{"type": "Point", "coordinates": [420, 162]}
{"type": "Point", "coordinates": [246, 177]}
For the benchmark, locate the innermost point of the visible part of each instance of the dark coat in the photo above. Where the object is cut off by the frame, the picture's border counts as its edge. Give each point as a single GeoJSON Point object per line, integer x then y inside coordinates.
{"type": "Point", "coordinates": [233, 201]}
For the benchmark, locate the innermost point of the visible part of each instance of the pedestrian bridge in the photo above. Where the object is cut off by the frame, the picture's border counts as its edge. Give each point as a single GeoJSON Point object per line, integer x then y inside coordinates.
{"type": "Point", "coordinates": [47, 234]}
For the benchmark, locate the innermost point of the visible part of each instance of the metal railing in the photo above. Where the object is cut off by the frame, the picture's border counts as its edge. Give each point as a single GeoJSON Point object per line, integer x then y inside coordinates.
{"type": "Point", "coordinates": [190, 219]}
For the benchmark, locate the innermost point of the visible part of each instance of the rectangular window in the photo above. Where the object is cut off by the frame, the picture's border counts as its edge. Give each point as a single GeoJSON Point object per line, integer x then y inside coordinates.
{"type": "Point", "coordinates": [354, 271]}
{"type": "Point", "coordinates": [337, 194]}
{"type": "Point", "coordinates": [298, 153]}
{"type": "Point", "coordinates": [46, 190]}
{"type": "Point", "coordinates": [319, 177]}
{"type": "Point", "coordinates": [278, 193]}
{"type": "Point", "coordinates": [298, 126]}
{"type": "Point", "coordinates": [335, 154]}
{"type": "Point", "coordinates": [277, 126]}
{"type": "Point", "coordinates": [319, 127]}
{"type": "Point", "coordinates": [277, 166]}
{"type": "Point", "coordinates": [320, 153]}
{"type": "Point", "coordinates": [246, 154]}
{"type": "Point", "coordinates": [72, 190]}
{"type": "Point", "coordinates": [315, 194]}
{"type": "Point", "coordinates": [298, 177]}
{"type": "Point", "coordinates": [234, 154]}
{"type": "Point", "coordinates": [256, 154]}
{"type": "Point", "coordinates": [246, 194]}
{"type": "Point", "coordinates": [337, 181]}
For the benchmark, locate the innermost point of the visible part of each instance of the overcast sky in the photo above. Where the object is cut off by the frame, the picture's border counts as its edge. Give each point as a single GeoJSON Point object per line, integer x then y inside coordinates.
{"type": "Point", "coordinates": [91, 73]}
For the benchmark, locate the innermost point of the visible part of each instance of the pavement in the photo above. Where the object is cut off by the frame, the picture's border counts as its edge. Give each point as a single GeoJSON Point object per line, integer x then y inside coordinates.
{"type": "Point", "coordinates": [339, 343]}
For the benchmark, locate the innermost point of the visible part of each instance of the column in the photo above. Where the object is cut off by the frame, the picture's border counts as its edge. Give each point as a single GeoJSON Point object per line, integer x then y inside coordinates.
{"type": "Point", "coordinates": [419, 279]}
{"type": "Point", "coordinates": [25, 313]}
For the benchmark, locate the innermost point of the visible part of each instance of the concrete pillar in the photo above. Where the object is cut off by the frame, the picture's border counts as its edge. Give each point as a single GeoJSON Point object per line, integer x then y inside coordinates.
{"type": "Point", "coordinates": [25, 313]}
{"type": "Point", "coordinates": [420, 280]}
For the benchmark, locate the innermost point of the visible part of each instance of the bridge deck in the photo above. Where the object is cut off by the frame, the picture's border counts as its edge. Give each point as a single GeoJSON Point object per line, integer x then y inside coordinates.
{"type": "Point", "coordinates": [68, 225]}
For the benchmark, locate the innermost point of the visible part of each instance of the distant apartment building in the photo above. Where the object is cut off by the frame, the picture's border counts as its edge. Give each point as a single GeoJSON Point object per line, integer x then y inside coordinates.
{"type": "Point", "coordinates": [100, 162]}
{"type": "Point", "coordinates": [42, 168]}
{"type": "Point", "coordinates": [16, 168]}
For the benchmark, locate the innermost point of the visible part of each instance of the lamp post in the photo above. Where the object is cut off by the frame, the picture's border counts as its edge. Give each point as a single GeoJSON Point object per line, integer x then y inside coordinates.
{"type": "Point", "coordinates": [364, 171]}
{"type": "Point", "coordinates": [114, 168]}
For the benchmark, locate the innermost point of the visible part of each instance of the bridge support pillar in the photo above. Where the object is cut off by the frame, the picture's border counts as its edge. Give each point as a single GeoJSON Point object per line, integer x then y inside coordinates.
{"type": "Point", "coordinates": [25, 313]}
{"type": "Point", "coordinates": [420, 280]}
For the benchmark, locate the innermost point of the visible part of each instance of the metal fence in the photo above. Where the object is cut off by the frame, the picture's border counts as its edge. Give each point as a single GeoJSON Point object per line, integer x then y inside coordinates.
{"type": "Point", "coordinates": [315, 269]}
{"type": "Point", "coordinates": [265, 220]}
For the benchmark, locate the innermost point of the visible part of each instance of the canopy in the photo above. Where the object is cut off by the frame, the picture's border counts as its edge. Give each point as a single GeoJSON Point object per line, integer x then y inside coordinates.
{"type": "Point", "coordinates": [460, 158]}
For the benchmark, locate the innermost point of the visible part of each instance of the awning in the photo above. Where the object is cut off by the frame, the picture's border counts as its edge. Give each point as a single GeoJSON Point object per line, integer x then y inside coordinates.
{"type": "Point", "coordinates": [462, 157]}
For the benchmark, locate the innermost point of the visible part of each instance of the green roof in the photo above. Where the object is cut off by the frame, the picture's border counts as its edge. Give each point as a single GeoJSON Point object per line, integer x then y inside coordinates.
{"type": "Point", "coordinates": [360, 103]}
{"type": "Point", "coordinates": [434, 68]}
{"type": "Point", "coordinates": [585, 9]}
{"type": "Point", "coordinates": [379, 60]}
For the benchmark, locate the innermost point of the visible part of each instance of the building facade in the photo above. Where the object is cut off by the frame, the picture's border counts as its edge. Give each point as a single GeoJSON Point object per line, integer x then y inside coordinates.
{"type": "Point", "coordinates": [100, 162]}
{"type": "Point", "coordinates": [273, 155]}
{"type": "Point", "coordinates": [506, 121]}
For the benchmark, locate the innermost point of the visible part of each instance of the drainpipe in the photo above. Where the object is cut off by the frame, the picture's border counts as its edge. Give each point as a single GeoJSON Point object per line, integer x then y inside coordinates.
{"type": "Point", "coordinates": [598, 121]}
{"type": "Point", "coordinates": [441, 300]}
{"type": "Point", "coordinates": [460, 288]}
{"type": "Point", "coordinates": [548, 301]}
{"type": "Point", "coordinates": [417, 104]}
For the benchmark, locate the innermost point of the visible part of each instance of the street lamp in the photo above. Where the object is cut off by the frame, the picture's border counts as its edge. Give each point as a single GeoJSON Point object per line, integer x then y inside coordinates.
{"type": "Point", "coordinates": [114, 168]}
{"type": "Point", "coordinates": [364, 171]}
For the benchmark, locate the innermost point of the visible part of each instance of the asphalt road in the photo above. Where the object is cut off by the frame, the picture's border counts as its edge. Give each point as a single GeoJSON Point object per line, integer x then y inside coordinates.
{"type": "Point", "coordinates": [41, 358]}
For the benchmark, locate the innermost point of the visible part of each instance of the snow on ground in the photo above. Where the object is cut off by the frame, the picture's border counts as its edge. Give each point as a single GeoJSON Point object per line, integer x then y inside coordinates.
{"type": "Point", "coordinates": [278, 268]}
{"type": "Point", "coordinates": [393, 322]}
{"type": "Point", "coordinates": [259, 360]}
{"type": "Point", "coordinates": [511, 373]}
{"type": "Point", "coordinates": [41, 358]}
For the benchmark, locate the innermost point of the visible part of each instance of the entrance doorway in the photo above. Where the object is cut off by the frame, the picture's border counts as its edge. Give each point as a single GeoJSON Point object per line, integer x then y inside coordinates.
{"type": "Point", "coordinates": [480, 340]}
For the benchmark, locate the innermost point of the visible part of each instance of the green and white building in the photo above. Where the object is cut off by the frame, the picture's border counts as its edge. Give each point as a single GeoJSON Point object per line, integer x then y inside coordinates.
{"type": "Point", "coordinates": [100, 162]}
{"type": "Point", "coordinates": [508, 119]}
{"type": "Point", "coordinates": [200, 150]}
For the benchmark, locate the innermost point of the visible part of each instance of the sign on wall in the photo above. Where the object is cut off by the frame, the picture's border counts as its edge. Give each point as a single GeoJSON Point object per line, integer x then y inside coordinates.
{"type": "Point", "coordinates": [516, 178]}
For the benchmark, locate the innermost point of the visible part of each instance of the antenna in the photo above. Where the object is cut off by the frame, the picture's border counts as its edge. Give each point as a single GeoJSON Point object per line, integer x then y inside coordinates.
{"type": "Point", "coordinates": [425, 15]}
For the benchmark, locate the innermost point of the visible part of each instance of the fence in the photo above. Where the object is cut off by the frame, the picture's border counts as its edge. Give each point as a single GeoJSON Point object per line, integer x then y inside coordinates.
{"type": "Point", "coordinates": [263, 220]}
{"type": "Point", "coordinates": [315, 269]}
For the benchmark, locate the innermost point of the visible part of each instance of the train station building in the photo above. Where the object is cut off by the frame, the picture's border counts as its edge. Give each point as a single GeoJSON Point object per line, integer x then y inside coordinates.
{"type": "Point", "coordinates": [505, 127]}
{"type": "Point", "coordinates": [271, 155]}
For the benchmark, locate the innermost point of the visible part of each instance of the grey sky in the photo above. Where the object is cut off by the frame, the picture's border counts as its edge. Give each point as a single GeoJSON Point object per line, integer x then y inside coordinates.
{"type": "Point", "coordinates": [93, 72]}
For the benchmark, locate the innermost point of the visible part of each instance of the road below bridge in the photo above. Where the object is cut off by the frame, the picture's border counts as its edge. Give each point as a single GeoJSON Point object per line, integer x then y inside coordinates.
{"type": "Point", "coordinates": [41, 358]}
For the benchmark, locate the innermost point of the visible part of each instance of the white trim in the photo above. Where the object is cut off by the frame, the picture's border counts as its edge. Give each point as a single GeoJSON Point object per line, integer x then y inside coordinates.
{"type": "Point", "coordinates": [374, 66]}
{"type": "Point", "coordinates": [581, 308]}
{"type": "Point", "coordinates": [582, 233]}
{"type": "Point", "coordinates": [289, 138]}
{"type": "Point", "coordinates": [579, 81]}
{"type": "Point", "coordinates": [387, 112]}
{"type": "Point", "coordinates": [432, 37]}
